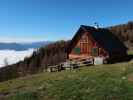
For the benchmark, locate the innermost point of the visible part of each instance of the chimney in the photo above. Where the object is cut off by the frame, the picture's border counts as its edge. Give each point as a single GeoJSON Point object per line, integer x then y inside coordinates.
{"type": "Point", "coordinates": [96, 25]}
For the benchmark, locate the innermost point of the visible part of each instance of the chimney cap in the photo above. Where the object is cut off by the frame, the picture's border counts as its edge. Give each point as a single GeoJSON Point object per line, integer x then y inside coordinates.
{"type": "Point", "coordinates": [96, 25]}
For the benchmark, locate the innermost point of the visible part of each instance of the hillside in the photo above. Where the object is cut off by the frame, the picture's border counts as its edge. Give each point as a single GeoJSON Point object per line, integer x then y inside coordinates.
{"type": "Point", "coordinates": [48, 55]}
{"type": "Point", "coordinates": [37, 62]}
{"type": "Point", "coordinates": [104, 82]}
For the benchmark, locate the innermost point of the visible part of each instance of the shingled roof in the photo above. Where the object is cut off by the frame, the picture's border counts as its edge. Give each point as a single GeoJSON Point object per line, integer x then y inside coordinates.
{"type": "Point", "coordinates": [102, 36]}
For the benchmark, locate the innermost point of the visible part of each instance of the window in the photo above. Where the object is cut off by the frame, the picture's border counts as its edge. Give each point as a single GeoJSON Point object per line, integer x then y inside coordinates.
{"type": "Point", "coordinates": [94, 51]}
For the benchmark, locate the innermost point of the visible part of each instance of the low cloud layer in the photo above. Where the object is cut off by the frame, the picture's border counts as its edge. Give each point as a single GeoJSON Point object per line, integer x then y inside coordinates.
{"type": "Point", "coordinates": [12, 56]}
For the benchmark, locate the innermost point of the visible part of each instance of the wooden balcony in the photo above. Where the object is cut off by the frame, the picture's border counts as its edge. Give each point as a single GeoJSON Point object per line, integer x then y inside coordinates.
{"type": "Point", "coordinates": [80, 56]}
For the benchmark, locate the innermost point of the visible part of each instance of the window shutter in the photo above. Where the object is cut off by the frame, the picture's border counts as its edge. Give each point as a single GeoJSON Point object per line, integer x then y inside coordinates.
{"type": "Point", "coordinates": [77, 50]}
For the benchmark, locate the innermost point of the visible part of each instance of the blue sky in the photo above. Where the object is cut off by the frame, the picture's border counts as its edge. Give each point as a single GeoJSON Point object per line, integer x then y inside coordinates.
{"type": "Point", "coordinates": [38, 20]}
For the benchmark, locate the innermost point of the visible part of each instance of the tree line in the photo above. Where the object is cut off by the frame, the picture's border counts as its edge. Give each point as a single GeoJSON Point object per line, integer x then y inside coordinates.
{"type": "Point", "coordinates": [124, 32]}
{"type": "Point", "coordinates": [43, 57]}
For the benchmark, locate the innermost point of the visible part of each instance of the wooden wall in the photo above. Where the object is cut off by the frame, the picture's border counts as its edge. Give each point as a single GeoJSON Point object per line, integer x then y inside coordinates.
{"type": "Point", "coordinates": [84, 46]}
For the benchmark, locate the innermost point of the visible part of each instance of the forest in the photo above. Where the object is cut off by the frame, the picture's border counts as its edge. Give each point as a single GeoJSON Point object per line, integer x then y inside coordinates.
{"type": "Point", "coordinates": [124, 32]}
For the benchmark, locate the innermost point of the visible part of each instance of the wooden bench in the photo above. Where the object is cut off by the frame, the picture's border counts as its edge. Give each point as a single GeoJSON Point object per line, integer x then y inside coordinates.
{"type": "Point", "coordinates": [69, 65]}
{"type": "Point", "coordinates": [55, 68]}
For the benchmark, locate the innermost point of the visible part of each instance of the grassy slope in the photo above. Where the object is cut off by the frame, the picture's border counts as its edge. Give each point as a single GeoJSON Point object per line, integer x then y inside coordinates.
{"type": "Point", "coordinates": [104, 82]}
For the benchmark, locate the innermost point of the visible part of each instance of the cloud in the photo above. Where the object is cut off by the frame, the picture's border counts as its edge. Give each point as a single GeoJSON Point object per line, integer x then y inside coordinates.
{"type": "Point", "coordinates": [12, 56]}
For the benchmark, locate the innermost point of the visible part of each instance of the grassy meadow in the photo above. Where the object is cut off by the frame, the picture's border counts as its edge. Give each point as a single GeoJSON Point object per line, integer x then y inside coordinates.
{"type": "Point", "coordinates": [103, 82]}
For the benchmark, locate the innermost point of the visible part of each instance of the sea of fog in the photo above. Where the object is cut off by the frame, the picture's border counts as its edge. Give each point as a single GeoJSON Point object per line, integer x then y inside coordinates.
{"type": "Point", "coordinates": [8, 57]}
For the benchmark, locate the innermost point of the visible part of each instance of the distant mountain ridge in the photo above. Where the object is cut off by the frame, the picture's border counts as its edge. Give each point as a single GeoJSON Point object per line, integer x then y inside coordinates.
{"type": "Point", "coordinates": [22, 46]}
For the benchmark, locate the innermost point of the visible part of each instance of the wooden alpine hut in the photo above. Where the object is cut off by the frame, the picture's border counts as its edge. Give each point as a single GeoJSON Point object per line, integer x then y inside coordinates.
{"type": "Point", "coordinates": [90, 42]}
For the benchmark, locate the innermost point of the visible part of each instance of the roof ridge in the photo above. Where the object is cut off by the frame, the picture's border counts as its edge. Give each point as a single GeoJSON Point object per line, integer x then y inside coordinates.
{"type": "Point", "coordinates": [86, 27]}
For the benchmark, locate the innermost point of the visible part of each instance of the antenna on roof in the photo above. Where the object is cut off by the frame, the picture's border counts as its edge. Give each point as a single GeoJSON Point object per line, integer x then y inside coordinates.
{"type": "Point", "coordinates": [96, 25]}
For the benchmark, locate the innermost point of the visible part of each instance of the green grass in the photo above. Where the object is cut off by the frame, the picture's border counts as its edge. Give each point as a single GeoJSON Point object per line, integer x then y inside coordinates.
{"type": "Point", "coordinates": [24, 95]}
{"type": "Point", "coordinates": [104, 82]}
{"type": "Point", "coordinates": [130, 52]}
